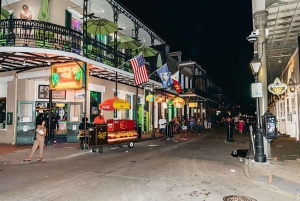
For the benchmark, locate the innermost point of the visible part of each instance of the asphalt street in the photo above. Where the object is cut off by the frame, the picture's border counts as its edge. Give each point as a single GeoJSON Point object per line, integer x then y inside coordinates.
{"type": "Point", "coordinates": [199, 168]}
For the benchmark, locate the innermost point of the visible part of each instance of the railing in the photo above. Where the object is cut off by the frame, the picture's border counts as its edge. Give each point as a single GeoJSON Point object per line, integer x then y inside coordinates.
{"type": "Point", "coordinates": [18, 32]}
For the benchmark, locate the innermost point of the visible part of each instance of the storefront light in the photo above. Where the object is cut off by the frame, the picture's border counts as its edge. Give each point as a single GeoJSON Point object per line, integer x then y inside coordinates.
{"type": "Point", "coordinates": [282, 96]}
{"type": "Point", "coordinates": [292, 85]}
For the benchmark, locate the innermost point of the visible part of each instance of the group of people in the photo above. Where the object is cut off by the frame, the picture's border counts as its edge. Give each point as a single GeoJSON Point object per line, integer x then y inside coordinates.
{"type": "Point", "coordinates": [178, 125]}
{"type": "Point", "coordinates": [239, 123]}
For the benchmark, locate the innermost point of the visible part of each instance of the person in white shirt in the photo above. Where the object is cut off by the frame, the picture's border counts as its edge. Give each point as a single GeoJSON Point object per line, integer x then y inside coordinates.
{"type": "Point", "coordinates": [236, 121]}
{"type": "Point", "coordinates": [162, 128]}
{"type": "Point", "coordinates": [26, 14]}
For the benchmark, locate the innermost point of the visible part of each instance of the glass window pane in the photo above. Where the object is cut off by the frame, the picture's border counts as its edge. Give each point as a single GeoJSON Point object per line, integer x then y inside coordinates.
{"type": "Point", "coordinates": [26, 112]}
{"type": "Point", "coordinates": [75, 113]}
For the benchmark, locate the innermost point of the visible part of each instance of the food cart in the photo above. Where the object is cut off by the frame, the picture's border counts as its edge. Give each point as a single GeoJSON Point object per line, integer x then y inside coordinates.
{"type": "Point", "coordinates": [115, 131]}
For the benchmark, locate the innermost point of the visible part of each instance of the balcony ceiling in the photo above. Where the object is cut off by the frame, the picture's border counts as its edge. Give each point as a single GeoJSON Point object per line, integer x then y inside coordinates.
{"type": "Point", "coordinates": [284, 28]}
{"type": "Point", "coordinates": [22, 59]}
{"type": "Point", "coordinates": [103, 9]}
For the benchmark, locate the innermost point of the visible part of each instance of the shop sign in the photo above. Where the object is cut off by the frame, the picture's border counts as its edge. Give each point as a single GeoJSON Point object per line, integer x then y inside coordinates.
{"type": "Point", "coordinates": [60, 105]}
{"type": "Point", "coordinates": [66, 76]}
{"type": "Point", "coordinates": [79, 95]}
{"type": "Point", "coordinates": [277, 88]}
{"type": "Point", "coordinates": [150, 98]}
{"type": "Point", "coordinates": [193, 104]}
{"type": "Point", "coordinates": [178, 102]}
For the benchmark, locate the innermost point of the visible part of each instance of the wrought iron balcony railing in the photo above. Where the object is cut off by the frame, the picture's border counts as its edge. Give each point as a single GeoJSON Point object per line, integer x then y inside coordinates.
{"type": "Point", "coordinates": [18, 32]}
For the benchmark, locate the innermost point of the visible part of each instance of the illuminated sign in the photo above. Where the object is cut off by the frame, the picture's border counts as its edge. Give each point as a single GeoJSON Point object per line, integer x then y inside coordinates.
{"type": "Point", "coordinates": [60, 104]}
{"type": "Point", "coordinates": [66, 76]}
{"type": "Point", "coordinates": [150, 98]}
{"type": "Point", "coordinates": [193, 104]}
{"type": "Point", "coordinates": [178, 102]}
{"type": "Point", "coordinates": [277, 88]}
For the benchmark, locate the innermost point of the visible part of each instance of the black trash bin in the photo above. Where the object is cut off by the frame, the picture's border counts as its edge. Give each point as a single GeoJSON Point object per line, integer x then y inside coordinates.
{"type": "Point", "coordinates": [138, 128]}
{"type": "Point", "coordinates": [170, 130]}
{"type": "Point", "coordinates": [230, 127]}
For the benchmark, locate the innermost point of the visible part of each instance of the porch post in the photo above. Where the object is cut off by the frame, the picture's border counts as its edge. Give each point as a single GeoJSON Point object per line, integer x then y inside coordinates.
{"type": "Point", "coordinates": [116, 17]}
{"type": "Point", "coordinates": [15, 108]}
{"type": "Point", "coordinates": [84, 30]}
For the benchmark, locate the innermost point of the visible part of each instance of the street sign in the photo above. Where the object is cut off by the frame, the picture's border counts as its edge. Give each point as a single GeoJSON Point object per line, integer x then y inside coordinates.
{"type": "Point", "coordinates": [256, 90]}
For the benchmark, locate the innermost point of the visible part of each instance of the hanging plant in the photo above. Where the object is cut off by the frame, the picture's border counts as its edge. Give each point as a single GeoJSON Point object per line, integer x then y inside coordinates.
{"type": "Point", "coordinates": [55, 79]}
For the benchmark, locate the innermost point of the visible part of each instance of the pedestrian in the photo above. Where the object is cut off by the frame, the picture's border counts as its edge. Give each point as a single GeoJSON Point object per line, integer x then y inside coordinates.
{"type": "Point", "coordinates": [247, 125]}
{"type": "Point", "coordinates": [205, 123]}
{"type": "Point", "coordinates": [240, 125]}
{"type": "Point", "coordinates": [41, 133]}
{"type": "Point", "coordinates": [184, 126]}
{"type": "Point", "coordinates": [199, 124]}
{"type": "Point", "coordinates": [162, 128]}
{"type": "Point", "coordinates": [192, 124]}
{"type": "Point", "coordinates": [209, 123]}
{"type": "Point", "coordinates": [177, 129]}
{"type": "Point", "coordinates": [25, 14]}
{"type": "Point", "coordinates": [54, 128]}
{"type": "Point", "coordinates": [81, 128]}
{"type": "Point", "coordinates": [236, 122]}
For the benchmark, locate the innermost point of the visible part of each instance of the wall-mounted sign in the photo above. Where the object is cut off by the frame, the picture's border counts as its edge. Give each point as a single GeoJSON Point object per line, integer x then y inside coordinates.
{"type": "Point", "coordinates": [277, 88]}
{"type": "Point", "coordinates": [256, 90]}
{"type": "Point", "coordinates": [66, 76]}
{"type": "Point", "coordinates": [79, 95]}
{"type": "Point", "coordinates": [193, 104]}
{"type": "Point", "coordinates": [178, 102]}
{"type": "Point", "coordinates": [150, 98]}
{"type": "Point", "coordinates": [44, 91]}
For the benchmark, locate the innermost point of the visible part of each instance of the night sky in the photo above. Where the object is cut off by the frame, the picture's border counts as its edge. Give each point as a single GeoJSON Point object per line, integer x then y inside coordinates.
{"type": "Point", "coordinates": [210, 32]}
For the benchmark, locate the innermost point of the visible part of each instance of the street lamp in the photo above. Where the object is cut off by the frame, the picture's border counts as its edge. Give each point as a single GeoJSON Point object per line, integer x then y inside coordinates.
{"type": "Point", "coordinates": [292, 85]}
{"type": "Point", "coordinates": [259, 155]}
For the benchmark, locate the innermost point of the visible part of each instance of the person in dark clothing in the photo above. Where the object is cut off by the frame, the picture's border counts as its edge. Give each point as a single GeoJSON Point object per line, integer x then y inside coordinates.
{"type": "Point", "coordinates": [54, 127]}
{"type": "Point", "coordinates": [39, 119]}
{"type": "Point", "coordinates": [81, 127]}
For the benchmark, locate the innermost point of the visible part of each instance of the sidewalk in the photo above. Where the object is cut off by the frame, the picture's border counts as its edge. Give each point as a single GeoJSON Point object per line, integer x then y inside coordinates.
{"type": "Point", "coordinates": [14, 154]}
{"type": "Point", "coordinates": [280, 173]}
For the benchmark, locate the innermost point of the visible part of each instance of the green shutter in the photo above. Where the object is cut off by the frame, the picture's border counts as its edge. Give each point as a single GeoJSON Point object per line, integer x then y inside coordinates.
{"type": "Point", "coordinates": [68, 19]}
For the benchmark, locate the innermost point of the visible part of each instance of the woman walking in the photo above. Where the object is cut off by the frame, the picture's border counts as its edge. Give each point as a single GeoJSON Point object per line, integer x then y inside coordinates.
{"type": "Point", "coordinates": [199, 124]}
{"type": "Point", "coordinates": [41, 132]}
{"type": "Point", "coordinates": [240, 125]}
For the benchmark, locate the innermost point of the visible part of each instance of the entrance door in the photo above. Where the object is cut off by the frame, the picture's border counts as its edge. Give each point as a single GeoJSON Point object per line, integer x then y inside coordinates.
{"type": "Point", "coordinates": [74, 119]}
{"type": "Point", "coordinates": [26, 122]}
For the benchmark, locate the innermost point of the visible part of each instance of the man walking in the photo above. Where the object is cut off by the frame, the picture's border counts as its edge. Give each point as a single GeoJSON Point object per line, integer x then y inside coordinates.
{"type": "Point", "coordinates": [162, 128]}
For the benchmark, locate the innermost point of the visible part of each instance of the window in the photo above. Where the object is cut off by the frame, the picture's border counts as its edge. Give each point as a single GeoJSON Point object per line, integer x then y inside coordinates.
{"type": "Point", "coordinates": [75, 25]}
{"type": "Point", "coordinates": [2, 113]}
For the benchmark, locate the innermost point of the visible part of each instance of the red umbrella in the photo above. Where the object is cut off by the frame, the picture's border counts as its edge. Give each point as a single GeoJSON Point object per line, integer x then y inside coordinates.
{"type": "Point", "coordinates": [114, 104]}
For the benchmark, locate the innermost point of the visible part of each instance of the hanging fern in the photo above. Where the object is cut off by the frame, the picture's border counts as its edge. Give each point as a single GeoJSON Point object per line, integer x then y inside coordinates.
{"type": "Point", "coordinates": [78, 74]}
{"type": "Point", "coordinates": [55, 79]}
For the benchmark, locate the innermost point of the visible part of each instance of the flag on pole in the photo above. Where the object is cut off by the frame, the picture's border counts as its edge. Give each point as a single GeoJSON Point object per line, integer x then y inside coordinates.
{"type": "Point", "coordinates": [176, 81]}
{"type": "Point", "coordinates": [139, 70]}
{"type": "Point", "coordinates": [164, 75]}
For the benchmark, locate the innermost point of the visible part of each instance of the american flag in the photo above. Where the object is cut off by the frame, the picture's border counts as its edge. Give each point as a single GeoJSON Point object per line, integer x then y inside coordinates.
{"type": "Point", "coordinates": [139, 70]}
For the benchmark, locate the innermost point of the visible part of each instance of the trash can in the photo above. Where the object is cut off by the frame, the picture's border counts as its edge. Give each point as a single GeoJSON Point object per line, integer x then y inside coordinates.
{"type": "Point", "coordinates": [230, 127]}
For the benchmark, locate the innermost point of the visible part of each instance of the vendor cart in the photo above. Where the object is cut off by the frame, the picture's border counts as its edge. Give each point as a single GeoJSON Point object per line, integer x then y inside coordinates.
{"type": "Point", "coordinates": [98, 138]}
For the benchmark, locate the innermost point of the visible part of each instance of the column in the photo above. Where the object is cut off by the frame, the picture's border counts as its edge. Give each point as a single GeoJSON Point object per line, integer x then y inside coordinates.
{"type": "Point", "coordinates": [260, 19]}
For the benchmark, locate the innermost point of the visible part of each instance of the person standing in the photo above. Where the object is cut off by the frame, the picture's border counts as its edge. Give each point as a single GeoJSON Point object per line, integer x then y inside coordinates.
{"type": "Point", "coordinates": [177, 129]}
{"type": "Point", "coordinates": [209, 123]}
{"type": "Point", "coordinates": [247, 125]}
{"type": "Point", "coordinates": [184, 126]}
{"type": "Point", "coordinates": [81, 128]}
{"type": "Point", "coordinates": [192, 124]}
{"type": "Point", "coordinates": [236, 122]}
{"type": "Point", "coordinates": [54, 128]}
{"type": "Point", "coordinates": [26, 14]}
{"type": "Point", "coordinates": [205, 123]}
{"type": "Point", "coordinates": [199, 124]}
{"type": "Point", "coordinates": [241, 125]}
{"type": "Point", "coordinates": [162, 128]}
{"type": "Point", "coordinates": [41, 133]}
{"type": "Point", "coordinates": [99, 119]}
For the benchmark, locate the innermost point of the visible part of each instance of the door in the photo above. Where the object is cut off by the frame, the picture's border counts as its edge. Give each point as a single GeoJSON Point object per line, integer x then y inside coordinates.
{"type": "Point", "coordinates": [26, 122]}
{"type": "Point", "coordinates": [74, 119]}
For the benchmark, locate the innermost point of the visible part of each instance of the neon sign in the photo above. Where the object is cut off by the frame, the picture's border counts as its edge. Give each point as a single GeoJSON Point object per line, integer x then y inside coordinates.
{"type": "Point", "coordinates": [66, 76]}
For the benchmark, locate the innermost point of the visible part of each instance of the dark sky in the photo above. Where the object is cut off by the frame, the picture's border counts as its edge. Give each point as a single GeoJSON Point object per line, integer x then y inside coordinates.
{"type": "Point", "coordinates": [211, 32]}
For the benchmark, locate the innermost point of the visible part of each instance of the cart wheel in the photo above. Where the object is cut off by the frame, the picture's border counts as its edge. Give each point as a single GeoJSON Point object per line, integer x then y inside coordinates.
{"type": "Point", "coordinates": [86, 146]}
{"type": "Point", "coordinates": [120, 145]}
{"type": "Point", "coordinates": [130, 144]}
{"type": "Point", "coordinates": [94, 149]}
{"type": "Point", "coordinates": [100, 150]}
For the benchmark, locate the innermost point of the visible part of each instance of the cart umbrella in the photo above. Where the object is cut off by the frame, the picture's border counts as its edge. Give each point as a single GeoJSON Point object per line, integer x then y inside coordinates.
{"type": "Point", "coordinates": [114, 104]}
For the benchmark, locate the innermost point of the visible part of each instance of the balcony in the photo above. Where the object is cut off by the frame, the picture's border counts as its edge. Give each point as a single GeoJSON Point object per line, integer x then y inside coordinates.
{"type": "Point", "coordinates": [51, 36]}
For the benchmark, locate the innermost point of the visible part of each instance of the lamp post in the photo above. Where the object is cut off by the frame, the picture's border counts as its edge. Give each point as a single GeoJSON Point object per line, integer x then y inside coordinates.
{"type": "Point", "coordinates": [292, 85]}
{"type": "Point", "coordinates": [259, 145]}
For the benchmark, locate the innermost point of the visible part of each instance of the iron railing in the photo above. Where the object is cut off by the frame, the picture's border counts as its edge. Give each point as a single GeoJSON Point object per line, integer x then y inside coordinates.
{"type": "Point", "coordinates": [18, 32]}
